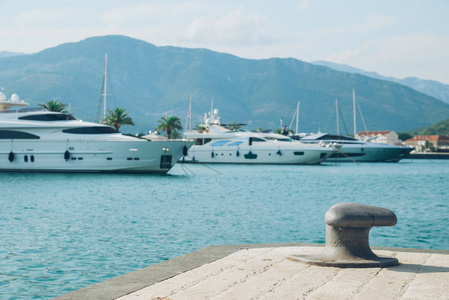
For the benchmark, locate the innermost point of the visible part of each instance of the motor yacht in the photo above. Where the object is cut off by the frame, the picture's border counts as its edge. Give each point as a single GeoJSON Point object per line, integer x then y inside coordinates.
{"type": "Point", "coordinates": [217, 144]}
{"type": "Point", "coordinates": [357, 150]}
{"type": "Point", "coordinates": [34, 139]}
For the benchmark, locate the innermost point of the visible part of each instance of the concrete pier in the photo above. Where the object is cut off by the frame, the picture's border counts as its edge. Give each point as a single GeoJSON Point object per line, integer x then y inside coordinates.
{"type": "Point", "coordinates": [271, 271]}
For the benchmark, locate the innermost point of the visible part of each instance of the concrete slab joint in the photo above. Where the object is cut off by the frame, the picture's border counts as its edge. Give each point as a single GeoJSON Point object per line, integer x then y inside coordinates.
{"type": "Point", "coordinates": [347, 237]}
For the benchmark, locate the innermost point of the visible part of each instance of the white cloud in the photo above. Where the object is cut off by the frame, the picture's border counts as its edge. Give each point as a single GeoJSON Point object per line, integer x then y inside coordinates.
{"type": "Point", "coordinates": [192, 23]}
{"type": "Point", "coordinates": [303, 6]}
{"type": "Point", "coordinates": [235, 26]}
{"type": "Point", "coordinates": [145, 13]}
{"type": "Point", "coordinates": [419, 55]}
{"type": "Point", "coordinates": [46, 18]}
{"type": "Point", "coordinates": [370, 23]}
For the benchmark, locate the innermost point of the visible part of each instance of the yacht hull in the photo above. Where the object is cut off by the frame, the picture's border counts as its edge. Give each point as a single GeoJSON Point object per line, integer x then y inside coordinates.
{"type": "Point", "coordinates": [117, 156]}
{"type": "Point", "coordinates": [359, 151]}
{"type": "Point", "coordinates": [258, 155]}
{"type": "Point", "coordinates": [370, 154]}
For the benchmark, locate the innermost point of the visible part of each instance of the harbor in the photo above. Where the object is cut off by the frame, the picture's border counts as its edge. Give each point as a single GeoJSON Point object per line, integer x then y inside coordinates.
{"type": "Point", "coordinates": [72, 231]}
{"type": "Point", "coordinates": [224, 150]}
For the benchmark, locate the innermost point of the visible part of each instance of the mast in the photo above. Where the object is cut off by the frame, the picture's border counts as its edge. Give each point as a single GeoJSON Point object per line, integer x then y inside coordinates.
{"type": "Point", "coordinates": [105, 83]}
{"type": "Point", "coordinates": [338, 125]}
{"type": "Point", "coordinates": [297, 118]}
{"type": "Point", "coordinates": [353, 104]}
{"type": "Point", "coordinates": [189, 116]}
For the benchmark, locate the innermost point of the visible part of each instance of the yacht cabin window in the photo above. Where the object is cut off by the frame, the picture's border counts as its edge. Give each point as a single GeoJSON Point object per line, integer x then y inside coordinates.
{"type": "Point", "coordinates": [256, 139]}
{"type": "Point", "coordinates": [236, 143]}
{"type": "Point", "coordinates": [91, 130]}
{"type": "Point", "coordinates": [219, 143]}
{"type": "Point", "coordinates": [200, 142]}
{"type": "Point", "coordinates": [12, 134]}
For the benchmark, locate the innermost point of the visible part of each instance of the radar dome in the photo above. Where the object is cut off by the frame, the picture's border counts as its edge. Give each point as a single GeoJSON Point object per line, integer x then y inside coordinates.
{"type": "Point", "coordinates": [215, 111]}
{"type": "Point", "coordinates": [15, 98]}
{"type": "Point", "coordinates": [2, 97]}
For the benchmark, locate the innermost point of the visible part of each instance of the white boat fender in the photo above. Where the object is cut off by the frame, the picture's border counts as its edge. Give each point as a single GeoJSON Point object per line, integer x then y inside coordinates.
{"type": "Point", "coordinates": [11, 156]}
{"type": "Point", "coordinates": [184, 150]}
{"type": "Point", "coordinates": [66, 155]}
{"type": "Point", "coordinates": [212, 154]}
{"type": "Point", "coordinates": [237, 153]}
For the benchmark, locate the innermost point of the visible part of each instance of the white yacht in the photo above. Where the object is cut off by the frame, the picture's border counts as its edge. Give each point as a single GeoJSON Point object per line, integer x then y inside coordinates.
{"type": "Point", "coordinates": [218, 144]}
{"type": "Point", "coordinates": [34, 139]}
{"type": "Point", "coordinates": [357, 150]}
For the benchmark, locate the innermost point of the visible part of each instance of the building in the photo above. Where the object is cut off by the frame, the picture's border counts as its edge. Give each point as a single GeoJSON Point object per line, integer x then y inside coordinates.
{"type": "Point", "coordinates": [386, 137]}
{"type": "Point", "coordinates": [429, 143]}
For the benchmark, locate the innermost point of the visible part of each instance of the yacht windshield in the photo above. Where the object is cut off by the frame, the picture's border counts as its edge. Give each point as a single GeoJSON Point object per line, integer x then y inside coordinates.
{"type": "Point", "coordinates": [256, 139]}
{"type": "Point", "coordinates": [48, 117]}
{"type": "Point", "coordinates": [336, 137]}
{"type": "Point", "coordinates": [279, 139]}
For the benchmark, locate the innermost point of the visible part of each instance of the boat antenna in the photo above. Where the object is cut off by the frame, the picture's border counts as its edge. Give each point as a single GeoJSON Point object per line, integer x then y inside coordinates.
{"type": "Point", "coordinates": [212, 107]}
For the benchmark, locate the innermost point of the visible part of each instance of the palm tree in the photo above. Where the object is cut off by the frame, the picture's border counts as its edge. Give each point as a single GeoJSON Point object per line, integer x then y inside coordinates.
{"type": "Point", "coordinates": [175, 134]}
{"type": "Point", "coordinates": [200, 128]}
{"type": "Point", "coordinates": [169, 124]}
{"type": "Point", "coordinates": [54, 106]}
{"type": "Point", "coordinates": [117, 118]}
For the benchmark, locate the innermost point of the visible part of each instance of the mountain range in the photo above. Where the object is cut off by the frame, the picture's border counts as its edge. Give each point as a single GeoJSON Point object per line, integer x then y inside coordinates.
{"type": "Point", "coordinates": [151, 82]}
{"type": "Point", "coordinates": [429, 87]}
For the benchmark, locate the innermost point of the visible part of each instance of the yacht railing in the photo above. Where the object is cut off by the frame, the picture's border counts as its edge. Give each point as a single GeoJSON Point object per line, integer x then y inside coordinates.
{"type": "Point", "coordinates": [22, 110]}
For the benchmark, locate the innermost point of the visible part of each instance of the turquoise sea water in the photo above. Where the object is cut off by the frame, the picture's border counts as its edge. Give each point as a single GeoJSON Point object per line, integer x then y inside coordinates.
{"type": "Point", "coordinates": [62, 232]}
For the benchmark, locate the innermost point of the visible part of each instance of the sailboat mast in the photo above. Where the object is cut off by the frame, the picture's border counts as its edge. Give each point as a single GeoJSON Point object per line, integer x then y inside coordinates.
{"type": "Point", "coordinates": [353, 104]}
{"type": "Point", "coordinates": [189, 116]}
{"type": "Point", "coordinates": [338, 125]}
{"type": "Point", "coordinates": [105, 83]}
{"type": "Point", "coordinates": [297, 118]}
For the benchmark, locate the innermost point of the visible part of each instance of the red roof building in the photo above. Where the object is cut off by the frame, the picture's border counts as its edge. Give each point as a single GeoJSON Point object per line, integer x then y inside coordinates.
{"type": "Point", "coordinates": [422, 143]}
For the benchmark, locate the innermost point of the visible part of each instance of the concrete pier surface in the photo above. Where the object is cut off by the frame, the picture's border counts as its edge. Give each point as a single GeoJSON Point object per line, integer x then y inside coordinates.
{"type": "Point", "coordinates": [271, 271]}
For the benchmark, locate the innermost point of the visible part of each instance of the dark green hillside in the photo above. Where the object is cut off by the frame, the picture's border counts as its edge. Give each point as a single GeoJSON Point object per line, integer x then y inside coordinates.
{"type": "Point", "coordinates": [151, 82]}
{"type": "Point", "coordinates": [441, 128]}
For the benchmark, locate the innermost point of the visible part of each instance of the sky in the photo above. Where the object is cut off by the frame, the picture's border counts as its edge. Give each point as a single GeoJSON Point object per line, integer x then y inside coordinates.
{"type": "Point", "coordinates": [398, 38]}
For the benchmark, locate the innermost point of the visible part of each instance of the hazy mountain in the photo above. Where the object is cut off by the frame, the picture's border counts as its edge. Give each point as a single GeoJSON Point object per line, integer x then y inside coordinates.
{"type": "Point", "coordinates": [429, 87]}
{"type": "Point", "coordinates": [8, 54]}
{"type": "Point", "coordinates": [151, 82]}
